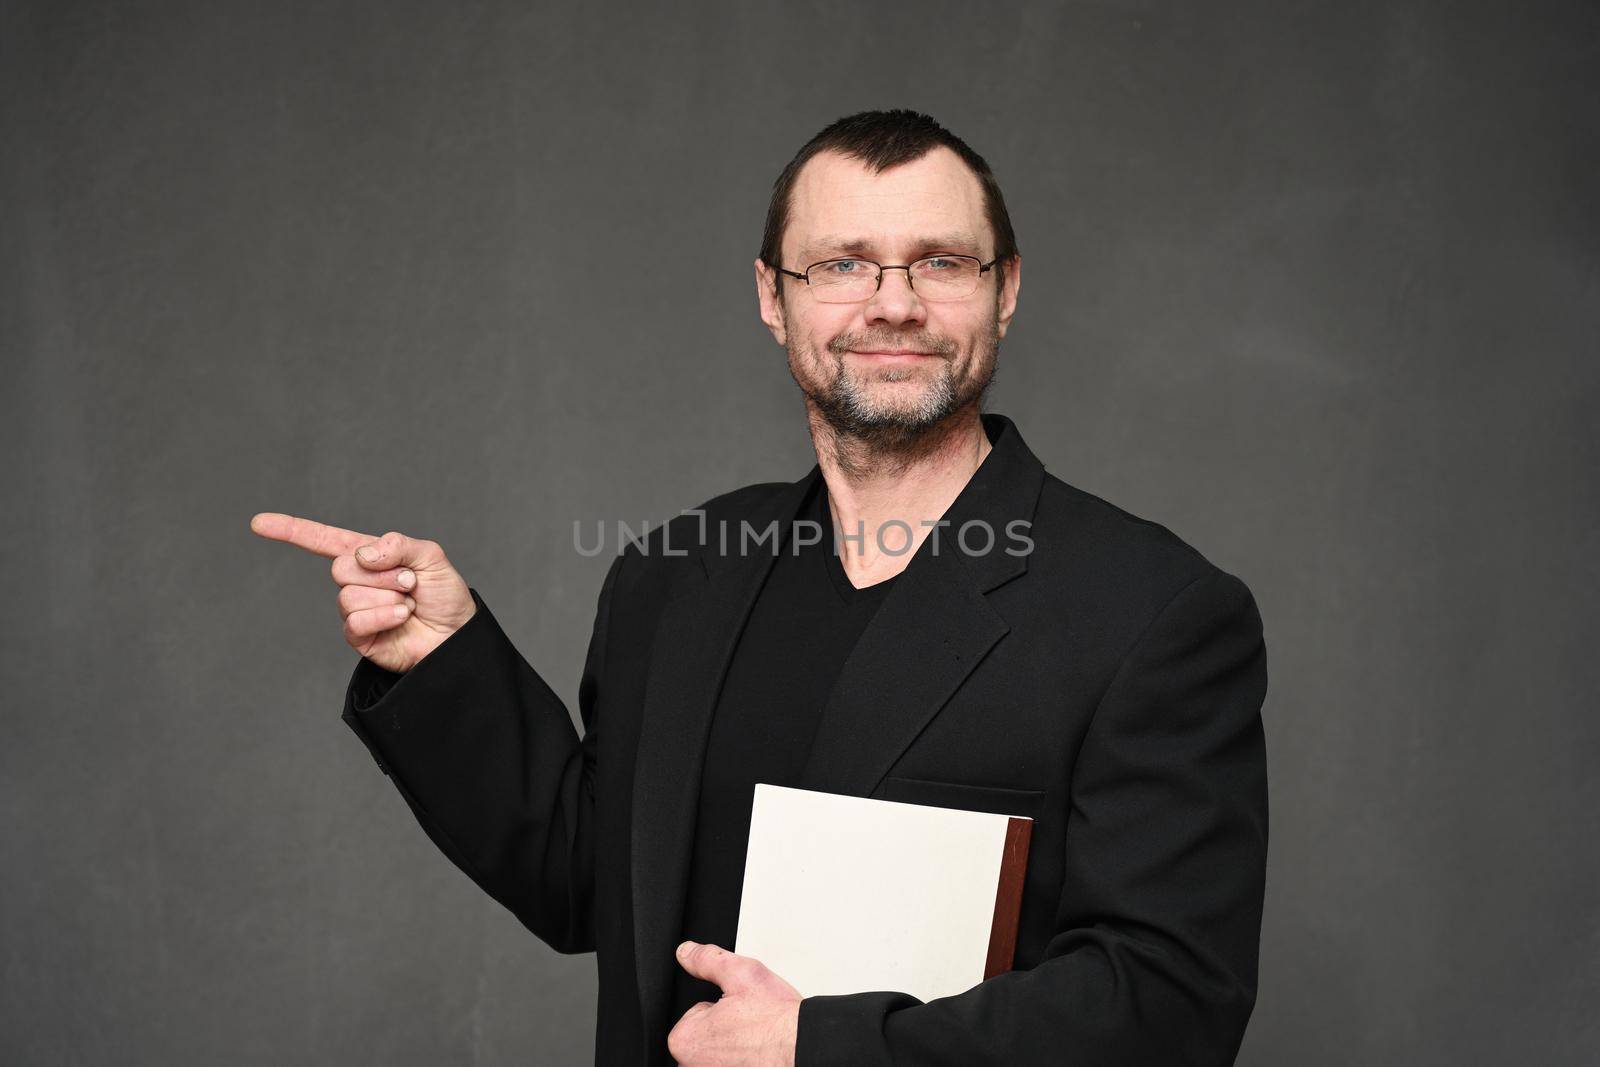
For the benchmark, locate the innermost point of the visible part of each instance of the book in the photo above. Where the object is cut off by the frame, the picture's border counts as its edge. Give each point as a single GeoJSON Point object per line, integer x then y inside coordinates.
{"type": "Point", "coordinates": [847, 894]}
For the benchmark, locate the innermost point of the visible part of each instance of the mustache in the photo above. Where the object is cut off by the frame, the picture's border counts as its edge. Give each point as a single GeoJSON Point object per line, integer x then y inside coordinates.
{"type": "Point", "coordinates": [871, 341]}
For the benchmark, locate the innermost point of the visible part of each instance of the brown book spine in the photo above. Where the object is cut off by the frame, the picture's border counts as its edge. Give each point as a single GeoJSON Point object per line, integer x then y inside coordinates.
{"type": "Point", "coordinates": [1008, 898]}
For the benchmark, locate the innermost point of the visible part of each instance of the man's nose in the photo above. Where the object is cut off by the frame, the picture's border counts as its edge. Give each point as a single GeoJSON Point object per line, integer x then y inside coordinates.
{"type": "Point", "coordinates": [895, 301]}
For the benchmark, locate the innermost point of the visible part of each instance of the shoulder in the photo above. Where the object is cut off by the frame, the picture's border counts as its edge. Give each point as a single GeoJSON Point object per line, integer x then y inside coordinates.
{"type": "Point", "coordinates": [1119, 565]}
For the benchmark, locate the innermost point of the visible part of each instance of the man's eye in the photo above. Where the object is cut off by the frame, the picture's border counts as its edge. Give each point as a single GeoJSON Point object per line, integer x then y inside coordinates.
{"type": "Point", "coordinates": [940, 263]}
{"type": "Point", "coordinates": [844, 266]}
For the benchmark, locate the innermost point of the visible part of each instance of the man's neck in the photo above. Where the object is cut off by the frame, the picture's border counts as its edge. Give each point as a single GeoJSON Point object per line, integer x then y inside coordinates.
{"type": "Point", "coordinates": [890, 495]}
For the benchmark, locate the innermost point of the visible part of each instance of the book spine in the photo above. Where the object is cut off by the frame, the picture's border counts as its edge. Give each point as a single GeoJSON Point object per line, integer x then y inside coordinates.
{"type": "Point", "coordinates": [1008, 898]}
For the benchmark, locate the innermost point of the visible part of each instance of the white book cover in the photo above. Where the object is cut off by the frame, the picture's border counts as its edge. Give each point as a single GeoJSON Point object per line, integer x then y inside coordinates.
{"type": "Point", "coordinates": [850, 894]}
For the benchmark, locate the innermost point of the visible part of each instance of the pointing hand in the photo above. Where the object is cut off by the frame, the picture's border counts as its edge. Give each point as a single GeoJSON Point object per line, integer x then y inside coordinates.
{"type": "Point", "coordinates": [399, 597]}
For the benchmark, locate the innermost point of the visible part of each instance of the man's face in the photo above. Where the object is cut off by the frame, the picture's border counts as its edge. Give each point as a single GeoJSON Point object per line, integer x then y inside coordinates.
{"type": "Point", "coordinates": [888, 368]}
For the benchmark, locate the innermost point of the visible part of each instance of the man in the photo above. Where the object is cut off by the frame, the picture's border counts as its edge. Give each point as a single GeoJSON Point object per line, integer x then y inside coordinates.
{"type": "Point", "coordinates": [987, 637]}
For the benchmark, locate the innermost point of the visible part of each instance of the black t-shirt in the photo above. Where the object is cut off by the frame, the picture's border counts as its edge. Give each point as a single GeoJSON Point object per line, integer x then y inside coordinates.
{"type": "Point", "coordinates": [800, 631]}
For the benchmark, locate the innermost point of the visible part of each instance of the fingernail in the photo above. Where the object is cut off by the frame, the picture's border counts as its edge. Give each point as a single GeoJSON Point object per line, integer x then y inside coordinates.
{"type": "Point", "coordinates": [401, 611]}
{"type": "Point", "coordinates": [407, 579]}
{"type": "Point", "coordinates": [683, 949]}
{"type": "Point", "coordinates": [411, 604]}
{"type": "Point", "coordinates": [367, 554]}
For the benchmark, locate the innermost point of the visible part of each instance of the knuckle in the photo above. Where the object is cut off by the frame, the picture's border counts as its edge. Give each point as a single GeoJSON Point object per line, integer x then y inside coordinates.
{"type": "Point", "coordinates": [680, 1042]}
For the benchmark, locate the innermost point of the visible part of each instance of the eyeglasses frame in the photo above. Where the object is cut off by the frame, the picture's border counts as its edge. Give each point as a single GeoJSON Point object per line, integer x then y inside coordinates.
{"type": "Point", "coordinates": [806, 275]}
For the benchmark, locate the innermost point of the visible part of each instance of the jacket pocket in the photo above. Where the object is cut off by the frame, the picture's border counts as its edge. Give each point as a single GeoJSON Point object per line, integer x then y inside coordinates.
{"type": "Point", "coordinates": [998, 800]}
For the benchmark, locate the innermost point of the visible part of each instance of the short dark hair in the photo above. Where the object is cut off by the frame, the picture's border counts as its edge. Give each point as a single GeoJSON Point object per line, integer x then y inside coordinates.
{"type": "Point", "coordinates": [884, 139]}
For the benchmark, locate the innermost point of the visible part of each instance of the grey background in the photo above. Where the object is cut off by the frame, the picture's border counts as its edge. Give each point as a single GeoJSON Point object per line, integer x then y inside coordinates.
{"type": "Point", "coordinates": [1313, 285]}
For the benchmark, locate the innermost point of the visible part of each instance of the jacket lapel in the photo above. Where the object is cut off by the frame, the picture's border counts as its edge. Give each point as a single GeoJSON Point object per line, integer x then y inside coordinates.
{"type": "Point", "coordinates": [694, 642]}
{"type": "Point", "coordinates": [926, 637]}
{"type": "Point", "coordinates": [932, 629]}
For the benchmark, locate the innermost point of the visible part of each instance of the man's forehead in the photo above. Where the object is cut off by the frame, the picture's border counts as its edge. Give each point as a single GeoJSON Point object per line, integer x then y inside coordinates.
{"type": "Point", "coordinates": [842, 206]}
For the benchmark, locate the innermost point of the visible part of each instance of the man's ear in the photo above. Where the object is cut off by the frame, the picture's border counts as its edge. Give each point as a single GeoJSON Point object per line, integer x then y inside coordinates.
{"type": "Point", "coordinates": [1008, 292]}
{"type": "Point", "coordinates": [767, 282]}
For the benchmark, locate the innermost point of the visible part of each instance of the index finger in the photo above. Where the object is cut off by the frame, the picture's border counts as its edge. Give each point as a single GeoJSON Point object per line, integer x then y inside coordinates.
{"type": "Point", "coordinates": [320, 538]}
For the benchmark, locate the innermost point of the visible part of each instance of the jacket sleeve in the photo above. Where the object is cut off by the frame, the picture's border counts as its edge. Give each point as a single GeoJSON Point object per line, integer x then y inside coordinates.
{"type": "Point", "coordinates": [1153, 959]}
{"type": "Point", "coordinates": [486, 756]}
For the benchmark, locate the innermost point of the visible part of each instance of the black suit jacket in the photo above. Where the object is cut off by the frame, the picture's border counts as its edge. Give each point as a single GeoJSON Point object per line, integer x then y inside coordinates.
{"type": "Point", "coordinates": [1108, 683]}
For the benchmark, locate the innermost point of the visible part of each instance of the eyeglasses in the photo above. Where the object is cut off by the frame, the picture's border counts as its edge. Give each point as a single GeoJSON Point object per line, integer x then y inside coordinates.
{"type": "Point", "coordinates": [847, 281]}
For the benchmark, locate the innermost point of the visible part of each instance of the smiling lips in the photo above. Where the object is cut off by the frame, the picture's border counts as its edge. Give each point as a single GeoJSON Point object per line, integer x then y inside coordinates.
{"type": "Point", "coordinates": [891, 353]}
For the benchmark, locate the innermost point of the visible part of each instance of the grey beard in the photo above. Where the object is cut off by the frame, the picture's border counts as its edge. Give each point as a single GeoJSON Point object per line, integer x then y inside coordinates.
{"type": "Point", "coordinates": [851, 414]}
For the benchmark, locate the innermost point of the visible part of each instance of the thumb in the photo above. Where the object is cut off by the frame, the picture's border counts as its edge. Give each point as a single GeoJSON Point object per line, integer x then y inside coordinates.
{"type": "Point", "coordinates": [716, 965]}
{"type": "Point", "coordinates": [395, 549]}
